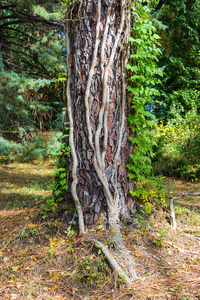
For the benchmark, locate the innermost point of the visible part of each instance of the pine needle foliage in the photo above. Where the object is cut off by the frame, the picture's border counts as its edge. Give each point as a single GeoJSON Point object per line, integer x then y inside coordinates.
{"type": "Point", "coordinates": [32, 61]}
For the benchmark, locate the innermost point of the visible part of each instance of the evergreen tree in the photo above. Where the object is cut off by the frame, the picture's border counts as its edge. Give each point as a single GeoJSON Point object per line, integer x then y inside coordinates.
{"type": "Point", "coordinates": [32, 60]}
{"type": "Point", "coordinates": [181, 47]}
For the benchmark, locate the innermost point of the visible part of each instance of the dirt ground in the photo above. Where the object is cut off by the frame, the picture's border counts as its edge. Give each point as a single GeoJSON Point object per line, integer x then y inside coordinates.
{"type": "Point", "coordinates": [45, 259]}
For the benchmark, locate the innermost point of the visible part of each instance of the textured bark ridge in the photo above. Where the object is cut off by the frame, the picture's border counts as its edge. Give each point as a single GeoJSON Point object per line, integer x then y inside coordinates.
{"type": "Point", "coordinates": [97, 109]}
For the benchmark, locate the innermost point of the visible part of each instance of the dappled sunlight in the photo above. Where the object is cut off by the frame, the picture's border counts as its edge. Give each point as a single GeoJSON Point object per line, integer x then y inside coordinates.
{"type": "Point", "coordinates": [15, 212]}
{"type": "Point", "coordinates": [24, 184]}
{"type": "Point", "coordinates": [24, 191]}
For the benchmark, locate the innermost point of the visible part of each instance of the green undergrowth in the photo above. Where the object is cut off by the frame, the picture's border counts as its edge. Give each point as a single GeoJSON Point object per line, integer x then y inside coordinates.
{"type": "Point", "coordinates": [60, 185]}
{"type": "Point", "coordinates": [41, 145]}
{"type": "Point", "coordinates": [144, 74]}
{"type": "Point", "coordinates": [177, 148]}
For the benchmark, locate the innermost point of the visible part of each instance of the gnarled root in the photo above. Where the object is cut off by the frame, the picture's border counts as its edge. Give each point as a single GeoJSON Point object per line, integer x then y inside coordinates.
{"type": "Point", "coordinates": [119, 259]}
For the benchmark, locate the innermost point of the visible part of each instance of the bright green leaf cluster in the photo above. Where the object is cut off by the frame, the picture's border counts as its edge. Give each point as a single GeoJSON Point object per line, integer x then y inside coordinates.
{"type": "Point", "coordinates": [144, 75]}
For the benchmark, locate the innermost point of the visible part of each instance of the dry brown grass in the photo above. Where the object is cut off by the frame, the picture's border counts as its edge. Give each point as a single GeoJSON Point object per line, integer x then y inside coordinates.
{"type": "Point", "coordinates": [39, 261]}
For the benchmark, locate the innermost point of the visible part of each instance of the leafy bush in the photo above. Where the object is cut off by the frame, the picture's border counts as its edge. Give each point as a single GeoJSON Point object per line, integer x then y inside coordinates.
{"type": "Point", "coordinates": [9, 150]}
{"type": "Point", "coordinates": [178, 147]}
{"type": "Point", "coordinates": [41, 146]}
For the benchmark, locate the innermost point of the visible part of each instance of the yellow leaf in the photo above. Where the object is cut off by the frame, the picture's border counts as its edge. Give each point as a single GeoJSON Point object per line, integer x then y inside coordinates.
{"type": "Point", "coordinates": [27, 268]}
{"type": "Point", "coordinates": [115, 256]}
{"type": "Point", "coordinates": [49, 272]}
{"type": "Point", "coordinates": [100, 227]}
{"type": "Point", "coordinates": [15, 268]}
{"type": "Point", "coordinates": [11, 281]}
{"type": "Point", "coordinates": [26, 218]}
{"type": "Point", "coordinates": [56, 276]}
{"type": "Point", "coordinates": [52, 243]}
{"type": "Point", "coordinates": [31, 225]}
{"type": "Point", "coordinates": [137, 254]}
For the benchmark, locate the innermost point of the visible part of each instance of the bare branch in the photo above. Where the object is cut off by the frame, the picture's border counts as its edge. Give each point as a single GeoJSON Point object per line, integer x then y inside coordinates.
{"type": "Point", "coordinates": [173, 218]}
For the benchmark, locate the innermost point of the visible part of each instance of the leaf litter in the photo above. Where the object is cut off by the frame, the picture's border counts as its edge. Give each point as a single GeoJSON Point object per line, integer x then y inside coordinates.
{"type": "Point", "coordinates": [39, 261]}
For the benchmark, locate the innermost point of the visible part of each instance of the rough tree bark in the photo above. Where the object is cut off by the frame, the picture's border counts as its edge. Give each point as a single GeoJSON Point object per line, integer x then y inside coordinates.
{"type": "Point", "coordinates": [97, 52]}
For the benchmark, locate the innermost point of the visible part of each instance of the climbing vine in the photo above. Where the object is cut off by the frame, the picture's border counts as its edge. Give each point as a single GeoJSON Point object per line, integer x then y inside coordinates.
{"type": "Point", "coordinates": [143, 75]}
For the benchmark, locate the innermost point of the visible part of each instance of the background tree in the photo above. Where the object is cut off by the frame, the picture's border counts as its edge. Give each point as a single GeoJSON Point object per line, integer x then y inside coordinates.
{"type": "Point", "coordinates": [180, 48]}
{"type": "Point", "coordinates": [32, 60]}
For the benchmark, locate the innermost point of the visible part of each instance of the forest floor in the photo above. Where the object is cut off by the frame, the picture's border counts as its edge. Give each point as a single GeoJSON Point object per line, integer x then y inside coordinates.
{"type": "Point", "coordinates": [39, 260]}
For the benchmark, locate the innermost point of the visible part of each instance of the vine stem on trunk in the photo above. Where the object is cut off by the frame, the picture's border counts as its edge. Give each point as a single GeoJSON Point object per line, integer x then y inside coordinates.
{"type": "Point", "coordinates": [71, 142]}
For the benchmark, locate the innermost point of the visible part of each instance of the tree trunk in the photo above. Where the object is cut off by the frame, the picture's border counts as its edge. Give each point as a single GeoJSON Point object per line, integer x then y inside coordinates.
{"type": "Point", "coordinates": [97, 52]}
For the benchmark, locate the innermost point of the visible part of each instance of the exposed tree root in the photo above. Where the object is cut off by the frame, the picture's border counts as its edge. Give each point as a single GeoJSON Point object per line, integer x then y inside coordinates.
{"type": "Point", "coordinates": [173, 218]}
{"type": "Point", "coordinates": [120, 260]}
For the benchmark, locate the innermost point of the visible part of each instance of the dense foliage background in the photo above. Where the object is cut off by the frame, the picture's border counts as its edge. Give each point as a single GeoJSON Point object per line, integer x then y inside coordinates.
{"type": "Point", "coordinates": [33, 79]}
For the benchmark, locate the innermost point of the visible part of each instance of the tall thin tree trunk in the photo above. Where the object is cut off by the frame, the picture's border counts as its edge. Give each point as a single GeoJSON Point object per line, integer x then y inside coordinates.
{"type": "Point", "coordinates": [97, 53]}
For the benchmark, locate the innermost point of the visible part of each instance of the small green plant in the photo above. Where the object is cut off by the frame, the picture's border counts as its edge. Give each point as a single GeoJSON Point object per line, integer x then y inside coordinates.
{"type": "Point", "coordinates": [70, 231]}
{"type": "Point", "coordinates": [160, 242]}
{"type": "Point", "coordinates": [182, 211]}
{"type": "Point", "coordinates": [51, 252]}
{"type": "Point", "coordinates": [95, 270]}
{"type": "Point", "coordinates": [32, 232]}
{"type": "Point", "coordinates": [122, 280]}
{"type": "Point", "coordinates": [150, 194]}
{"type": "Point", "coordinates": [59, 186]}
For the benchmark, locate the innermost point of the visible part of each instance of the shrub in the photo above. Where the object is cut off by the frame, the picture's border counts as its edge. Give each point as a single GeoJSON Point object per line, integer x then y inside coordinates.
{"type": "Point", "coordinates": [41, 146]}
{"type": "Point", "coordinates": [178, 147]}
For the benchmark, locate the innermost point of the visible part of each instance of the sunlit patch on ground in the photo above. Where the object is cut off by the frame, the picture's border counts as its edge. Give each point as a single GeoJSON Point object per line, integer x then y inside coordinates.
{"type": "Point", "coordinates": [24, 184]}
